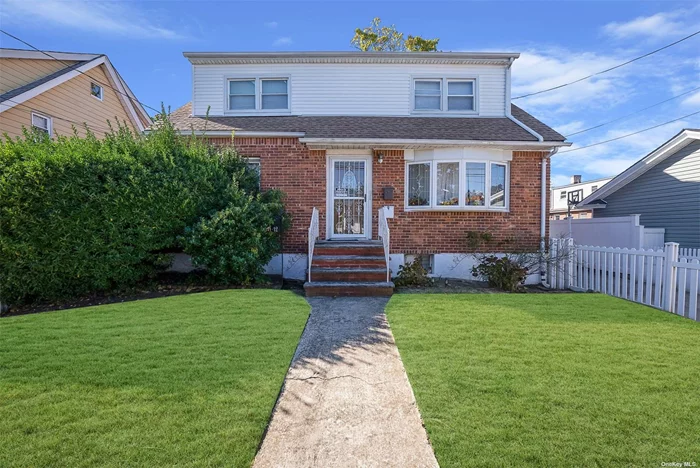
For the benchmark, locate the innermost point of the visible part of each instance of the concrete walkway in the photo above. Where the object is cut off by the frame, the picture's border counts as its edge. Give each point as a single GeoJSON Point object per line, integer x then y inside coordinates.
{"type": "Point", "coordinates": [346, 401]}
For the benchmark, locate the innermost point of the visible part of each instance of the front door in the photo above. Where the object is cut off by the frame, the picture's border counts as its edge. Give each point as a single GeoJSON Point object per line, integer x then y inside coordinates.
{"type": "Point", "coordinates": [349, 183]}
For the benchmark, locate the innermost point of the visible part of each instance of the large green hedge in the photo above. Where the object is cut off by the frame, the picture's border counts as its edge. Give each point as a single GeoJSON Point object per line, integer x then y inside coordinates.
{"type": "Point", "coordinates": [80, 215]}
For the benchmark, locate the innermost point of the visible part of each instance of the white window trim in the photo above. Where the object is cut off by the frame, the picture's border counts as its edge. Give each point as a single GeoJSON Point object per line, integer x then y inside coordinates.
{"type": "Point", "coordinates": [256, 161]}
{"type": "Point", "coordinates": [102, 91]}
{"type": "Point", "coordinates": [413, 95]}
{"type": "Point", "coordinates": [258, 95]}
{"type": "Point", "coordinates": [49, 122]}
{"type": "Point", "coordinates": [462, 187]}
{"type": "Point", "coordinates": [444, 94]}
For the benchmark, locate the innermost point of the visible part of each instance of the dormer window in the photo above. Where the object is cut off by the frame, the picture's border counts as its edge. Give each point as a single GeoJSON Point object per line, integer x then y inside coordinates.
{"type": "Point", "coordinates": [241, 95]}
{"type": "Point", "coordinates": [274, 94]}
{"type": "Point", "coordinates": [96, 90]}
{"type": "Point", "coordinates": [428, 95]}
{"type": "Point", "coordinates": [252, 95]}
{"type": "Point", "coordinates": [444, 95]}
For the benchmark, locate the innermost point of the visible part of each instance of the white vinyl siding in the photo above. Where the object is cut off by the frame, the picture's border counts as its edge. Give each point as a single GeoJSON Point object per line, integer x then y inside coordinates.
{"type": "Point", "coordinates": [349, 89]}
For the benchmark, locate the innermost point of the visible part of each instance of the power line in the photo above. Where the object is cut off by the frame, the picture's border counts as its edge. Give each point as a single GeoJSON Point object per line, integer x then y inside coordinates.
{"type": "Point", "coordinates": [133, 99]}
{"type": "Point", "coordinates": [611, 68]}
{"type": "Point", "coordinates": [632, 113]}
{"type": "Point", "coordinates": [630, 134]}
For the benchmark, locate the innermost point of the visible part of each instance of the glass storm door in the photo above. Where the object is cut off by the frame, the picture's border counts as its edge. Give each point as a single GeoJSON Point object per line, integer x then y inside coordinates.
{"type": "Point", "coordinates": [349, 198]}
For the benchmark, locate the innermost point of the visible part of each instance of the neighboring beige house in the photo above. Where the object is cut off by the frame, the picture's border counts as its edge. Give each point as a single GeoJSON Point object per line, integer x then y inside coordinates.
{"type": "Point", "coordinates": [69, 90]}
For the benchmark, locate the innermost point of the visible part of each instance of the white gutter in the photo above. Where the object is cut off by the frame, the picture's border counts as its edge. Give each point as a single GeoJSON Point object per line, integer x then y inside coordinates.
{"type": "Point", "coordinates": [241, 133]}
{"type": "Point", "coordinates": [386, 142]}
{"type": "Point", "coordinates": [543, 210]}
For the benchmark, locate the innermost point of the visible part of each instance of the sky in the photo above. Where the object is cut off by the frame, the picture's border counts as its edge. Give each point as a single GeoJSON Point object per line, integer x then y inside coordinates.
{"type": "Point", "coordinates": [558, 42]}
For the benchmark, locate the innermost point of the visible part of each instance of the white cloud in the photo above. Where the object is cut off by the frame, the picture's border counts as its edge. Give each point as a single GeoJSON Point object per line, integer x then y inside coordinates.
{"type": "Point", "coordinates": [283, 41]}
{"type": "Point", "coordinates": [271, 24]}
{"type": "Point", "coordinates": [659, 25]}
{"type": "Point", "coordinates": [693, 100]}
{"type": "Point", "coordinates": [560, 179]}
{"type": "Point", "coordinates": [547, 68]}
{"type": "Point", "coordinates": [612, 158]}
{"type": "Point", "coordinates": [119, 19]}
{"type": "Point", "coordinates": [570, 127]}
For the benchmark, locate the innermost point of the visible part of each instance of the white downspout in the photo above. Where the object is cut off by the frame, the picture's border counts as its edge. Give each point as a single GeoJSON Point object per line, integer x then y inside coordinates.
{"type": "Point", "coordinates": [543, 211]}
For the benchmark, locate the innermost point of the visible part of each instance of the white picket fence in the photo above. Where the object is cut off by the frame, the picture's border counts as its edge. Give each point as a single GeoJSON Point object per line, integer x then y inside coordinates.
{"type": "Point", "coordinates": [664, 278]}
{"type": "Point", "coordinates": [689, 253]}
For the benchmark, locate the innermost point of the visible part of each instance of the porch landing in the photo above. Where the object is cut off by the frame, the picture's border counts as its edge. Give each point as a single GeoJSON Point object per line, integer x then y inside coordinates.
{"type": "Point", "coordinates": [348, 268]}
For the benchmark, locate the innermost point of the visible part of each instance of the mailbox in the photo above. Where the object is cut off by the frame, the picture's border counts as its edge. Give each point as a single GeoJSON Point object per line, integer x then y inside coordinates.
{"type": "Point", "coordinates": [388, 193]}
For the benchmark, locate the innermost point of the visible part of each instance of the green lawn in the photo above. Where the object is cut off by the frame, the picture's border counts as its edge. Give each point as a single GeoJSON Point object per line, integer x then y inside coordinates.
{"type": "Point", "coordinates": [551, 379]}
{"type": "Point", "coordinates": [188, 380]}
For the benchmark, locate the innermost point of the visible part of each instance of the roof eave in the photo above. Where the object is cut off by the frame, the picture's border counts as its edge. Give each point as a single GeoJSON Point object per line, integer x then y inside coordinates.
{"type": "Point", "coordinates": [425, 143]}
{"type": "Point", "coordinates": [673, 145]}
{"type": "Point", "coordinates": [203, 58]}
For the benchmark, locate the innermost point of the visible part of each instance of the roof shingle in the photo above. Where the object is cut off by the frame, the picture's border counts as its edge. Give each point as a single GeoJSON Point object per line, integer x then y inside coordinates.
{"type": "Point", "coordinates": [413, 128]}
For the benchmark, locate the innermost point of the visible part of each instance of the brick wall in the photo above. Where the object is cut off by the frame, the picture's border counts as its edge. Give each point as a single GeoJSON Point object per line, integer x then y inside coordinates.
{"type": "Point", "coordinates": [445, 232]}
{"type": "Point", "coordinates": [300, 173]}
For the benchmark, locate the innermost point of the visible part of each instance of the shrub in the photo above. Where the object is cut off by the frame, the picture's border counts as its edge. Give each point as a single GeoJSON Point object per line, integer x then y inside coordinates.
{"type": "Point", "coordinates": [412, 274]}
{"type": "Point", "coordinates": [82, 215]}
{"type": "Point", "coordinates": [501, 272]}
{"type": "Point", "coordinates": [234, 244]}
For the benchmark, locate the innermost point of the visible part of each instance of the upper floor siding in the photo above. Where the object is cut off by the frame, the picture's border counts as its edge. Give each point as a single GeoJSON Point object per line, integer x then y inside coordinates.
{"type": "Point", "coordinates": [350, 88]}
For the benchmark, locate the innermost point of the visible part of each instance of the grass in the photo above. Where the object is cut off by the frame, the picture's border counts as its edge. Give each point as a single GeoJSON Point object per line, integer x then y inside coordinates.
{"type": "Point", "coordinates": [551, 380]}
{"type": "Point", "coordinates": [188, 380]}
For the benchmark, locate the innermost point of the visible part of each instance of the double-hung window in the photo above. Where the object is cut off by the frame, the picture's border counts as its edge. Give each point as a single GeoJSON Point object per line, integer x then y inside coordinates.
{"type": "Point", "coordinates": [241, 95]}
{"type": "Point", "coordinates": [258, 95]}
{"type": "Point", "coordinates": [460, 184]}
{"type": "Point", "coordinates": [254, 166]}
{"type": "Point", "coordinates": [428, 95]}
{"type": "Point", "coordinates": [41, 123]}
{"type": "Point", "coordinates": [444, 95]}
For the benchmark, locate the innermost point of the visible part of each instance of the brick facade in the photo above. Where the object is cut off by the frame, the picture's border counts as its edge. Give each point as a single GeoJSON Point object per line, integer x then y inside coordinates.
{"type": "Point", "coordinates": [288, 165]}
{"type": "Point", "coordinates": [445, 232]}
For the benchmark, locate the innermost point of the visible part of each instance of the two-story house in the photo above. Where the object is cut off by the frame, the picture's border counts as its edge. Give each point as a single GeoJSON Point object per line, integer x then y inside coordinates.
{"type": "Point", "coordinates": [56, 92]}
{"type": "Point", "coordinates": [561, 195]}
{"type": "Point", "coordinates": [431, 139]}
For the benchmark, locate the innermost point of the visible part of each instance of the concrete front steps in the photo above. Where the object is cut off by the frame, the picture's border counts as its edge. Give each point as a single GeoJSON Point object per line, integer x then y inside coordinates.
{"type": "Point", "coordinates": [355, 268]}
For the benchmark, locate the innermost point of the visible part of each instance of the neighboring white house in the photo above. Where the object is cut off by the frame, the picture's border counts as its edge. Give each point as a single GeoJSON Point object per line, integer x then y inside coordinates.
{"type": "Point", "coordinates": [560, 195]}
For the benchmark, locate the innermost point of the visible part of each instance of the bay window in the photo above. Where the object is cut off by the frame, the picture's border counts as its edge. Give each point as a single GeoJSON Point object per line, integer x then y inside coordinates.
{"type": "Point", "coordinates": [419, 184]}
{"type": "Point", "coordinates": [447, 184]}
{"type": "Point", "coordinates": [475, 176]}
{"type": "Point", "coordinates": [498, 185]}
{"type": "Point", "coordinates": [457, 185]}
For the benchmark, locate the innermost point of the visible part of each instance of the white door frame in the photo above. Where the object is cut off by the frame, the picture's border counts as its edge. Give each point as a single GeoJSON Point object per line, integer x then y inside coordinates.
{"type": "Point", "coordinates": [349, 155]}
